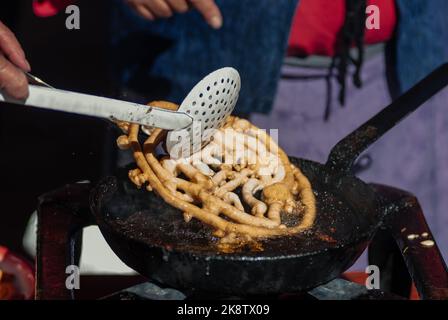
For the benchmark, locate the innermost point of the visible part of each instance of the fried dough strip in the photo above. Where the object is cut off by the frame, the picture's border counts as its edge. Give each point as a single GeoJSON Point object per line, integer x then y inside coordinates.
{"type": "Point", "coordinates": [214, 190]}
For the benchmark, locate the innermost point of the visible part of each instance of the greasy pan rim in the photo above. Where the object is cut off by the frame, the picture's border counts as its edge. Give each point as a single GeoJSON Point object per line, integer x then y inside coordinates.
{"type": "Point", "coordinates": [238, 256]}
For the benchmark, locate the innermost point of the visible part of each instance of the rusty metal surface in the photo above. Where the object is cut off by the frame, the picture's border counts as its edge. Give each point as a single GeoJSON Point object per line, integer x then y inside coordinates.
{"type": "Point", "coordinates": [61, 216]}
{"type": "Point", "coordinates": [407, 224]}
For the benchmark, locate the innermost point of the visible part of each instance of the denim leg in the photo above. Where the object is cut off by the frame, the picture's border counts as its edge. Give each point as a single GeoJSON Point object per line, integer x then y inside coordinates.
{"type": "Point", "coordinates": [166, 58]}
{"type": "Point", "coordinates": [421, 42]}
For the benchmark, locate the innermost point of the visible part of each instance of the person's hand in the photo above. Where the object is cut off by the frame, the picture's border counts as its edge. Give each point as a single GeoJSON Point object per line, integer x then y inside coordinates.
{"type": "Point", "coordinates": [13, 63]}
{"type": "Point", "coordinates": [153, 9]}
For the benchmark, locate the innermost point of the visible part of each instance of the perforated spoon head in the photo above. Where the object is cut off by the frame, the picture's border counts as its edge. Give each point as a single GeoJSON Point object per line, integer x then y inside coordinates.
{"type": "Point", "coordinates": [209, 103]}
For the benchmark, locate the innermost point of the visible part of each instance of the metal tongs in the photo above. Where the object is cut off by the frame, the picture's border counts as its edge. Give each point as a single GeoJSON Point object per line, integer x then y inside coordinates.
{"type": "Point", "coordinates": [208, 104]}
{"type": "Point", "coordinates": [45, 96]}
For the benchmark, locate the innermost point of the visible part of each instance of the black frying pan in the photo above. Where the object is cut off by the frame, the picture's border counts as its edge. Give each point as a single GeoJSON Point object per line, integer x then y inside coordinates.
{"type": "Point", "coordinates": [152, 238]}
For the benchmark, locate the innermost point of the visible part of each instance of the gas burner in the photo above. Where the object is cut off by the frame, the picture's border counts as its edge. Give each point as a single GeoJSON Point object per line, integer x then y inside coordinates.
{"type": "Point", "coordinates": [337, 289]}
{"type": "Point", "coordinates": [401, 250]}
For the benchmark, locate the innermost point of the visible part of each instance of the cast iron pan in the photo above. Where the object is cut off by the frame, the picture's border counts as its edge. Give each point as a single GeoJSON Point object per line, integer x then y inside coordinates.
{"type": "Point", "coordinates": [152, 238]}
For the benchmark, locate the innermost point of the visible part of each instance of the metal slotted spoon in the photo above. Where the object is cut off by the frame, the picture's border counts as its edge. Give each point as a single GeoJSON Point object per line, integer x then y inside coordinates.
{"type": "Point", "coordinates": [205, 108]}
{"type": "Point", "coordinates": [209, 103]}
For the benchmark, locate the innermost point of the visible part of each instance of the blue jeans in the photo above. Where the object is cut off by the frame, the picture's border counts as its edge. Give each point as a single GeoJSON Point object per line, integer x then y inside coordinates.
{"type": "Point", "coordinates": [421, 42]}
{"type": "Point", "coordinates": [166, 58]}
